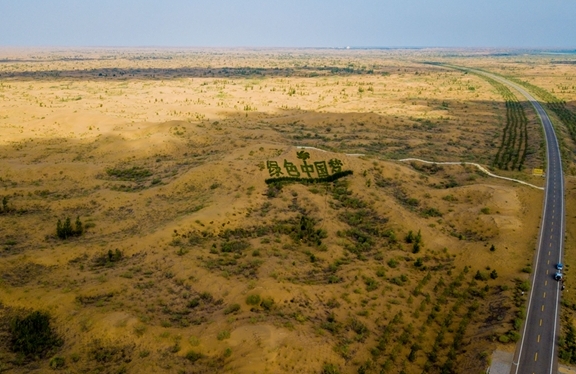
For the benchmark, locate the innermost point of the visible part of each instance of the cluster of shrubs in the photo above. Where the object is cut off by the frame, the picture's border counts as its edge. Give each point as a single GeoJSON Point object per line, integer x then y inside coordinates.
{"type": "Point", "coordinates": [415, 240]}
{"type": "Point", "coordinates": [65, 230]}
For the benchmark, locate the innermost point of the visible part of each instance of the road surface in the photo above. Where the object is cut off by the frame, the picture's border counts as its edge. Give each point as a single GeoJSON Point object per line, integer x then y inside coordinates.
{"type": "Point", "coordinates": [536, 352]}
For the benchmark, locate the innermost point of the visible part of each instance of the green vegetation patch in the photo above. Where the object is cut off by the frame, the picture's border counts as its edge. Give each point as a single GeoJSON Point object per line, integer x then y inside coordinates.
{"type": "Point", "coordinates": [135, 173]}
{"type": "Point", "coordinates": [33, 335]}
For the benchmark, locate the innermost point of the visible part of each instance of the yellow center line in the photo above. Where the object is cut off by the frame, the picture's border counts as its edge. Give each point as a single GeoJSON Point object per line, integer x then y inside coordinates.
{"type": "Point", "coordinates": [538, 338]}
{"type": "Point", "coordinates": [540, 321]}
{"type": "Point", "coordinates": [544, 294]}
{"type": "Point", "coordinates": [548, 262]}
{"type": "Point", "coordinates": [536, 356]}
{"type": "Point", "coordinates": [546, 283]}
{"type": "Point", "coordinates": [542, 307]}
{"type": "Point", "coordinates": [546, 271]}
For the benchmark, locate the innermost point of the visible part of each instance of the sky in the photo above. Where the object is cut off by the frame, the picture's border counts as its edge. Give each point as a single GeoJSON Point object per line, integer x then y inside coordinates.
{"type": "Point", "coordinates": [289, 23]}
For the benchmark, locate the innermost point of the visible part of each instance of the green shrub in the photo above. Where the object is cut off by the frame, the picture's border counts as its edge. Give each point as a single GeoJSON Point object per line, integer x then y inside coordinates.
{"type": "Point", "coordinates": [513, 336]}
{"type": "Point", "coordinates": [134, 173]}
{"type": "Point", "coordinates": [330, 369]}
{"type": "Point", "coordinates": [480, 276]}
{"type": "Point", "coordinates": [253, 299]}
{"type": "Point", "coordinates": [194, 341]}
{"type": "Point", "coordinates": [524, 286]}
{"type": "Point", "coordinates": [57, 362]}
{"type": "Point", "coordinates": [392, 263]}
{"type": "Point", "coordinates": [503, 339]}
{"type": "Point", "coordinates": [232, 309]}
{"type": "Point", "coordinates": [267, 303]}
{"type": "Point", "coordinates": [193, 356]}
{"type": "Point", "coordinates": [193, 303]}
{"type": "Point", "coordinates": [32, 335]}
{"type": "Point", "coordinates": [223, 335]}
{"type": "Point", "coordinates": [234, 246]}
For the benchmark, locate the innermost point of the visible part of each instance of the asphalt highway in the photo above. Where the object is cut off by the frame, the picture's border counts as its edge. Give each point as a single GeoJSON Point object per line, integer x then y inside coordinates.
{"type": "Point", "coordinates": [536, 352]}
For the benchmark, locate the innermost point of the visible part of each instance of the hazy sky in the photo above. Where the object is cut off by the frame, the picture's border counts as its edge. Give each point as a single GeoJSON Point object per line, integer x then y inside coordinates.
{"type": "Point", "coordinates": [289, 23]}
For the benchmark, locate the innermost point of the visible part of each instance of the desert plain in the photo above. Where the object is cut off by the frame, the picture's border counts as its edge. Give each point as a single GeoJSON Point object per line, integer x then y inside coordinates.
{"type": "Point", "coordinates": [188, 261]}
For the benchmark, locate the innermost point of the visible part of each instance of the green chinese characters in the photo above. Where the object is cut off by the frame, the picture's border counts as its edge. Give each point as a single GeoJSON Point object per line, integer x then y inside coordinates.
{"type": "Point", "coordinates": [317, 169]}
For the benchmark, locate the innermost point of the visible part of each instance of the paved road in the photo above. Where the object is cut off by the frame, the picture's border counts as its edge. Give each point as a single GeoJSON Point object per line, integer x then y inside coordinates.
{"type": "Point", "coordinates": [537, 350]}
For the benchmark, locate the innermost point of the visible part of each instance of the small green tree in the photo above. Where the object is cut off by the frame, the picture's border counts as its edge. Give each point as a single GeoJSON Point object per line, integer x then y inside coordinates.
{"type": "Point", "coordinates": [79, 230]}
{"type": "Point", "coordinates": [410, 237]}
{"type": "Point", "coordinates": [67, 228]}
{"type": "Point", "coordinates": [59, 231]}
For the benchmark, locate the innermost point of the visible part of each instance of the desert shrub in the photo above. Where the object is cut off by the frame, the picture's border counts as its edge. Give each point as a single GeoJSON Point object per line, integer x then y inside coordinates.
{"type": "Point", "coordinates": [305, 231]}
{"type": "Point", "coordinates": [32, 335]}
{"type": "Point", "coordinates": [222, 335]}
{"type": "Point", "coordinates": [57, 362]}
{"type": "Point", "coordinates": [330, 369]}
{"type": "Point", "coordinates": [133, 173]}
{"type": "Point", "coordinates": [193, 303]}
{"type": "Point", "coordinates": [109, 258]}
{"type": "Point", "coordinates": [524, 286]}
{"type": "Point", "coordinates": [233, 308]}
{"type": "Point", "coordinates": [392, 263]}
{"type": "Point", "coordinates": [109, 354]}
{"type": "Point", "coordinates": [267, 303]}
{"type": "Point", "coordinates": [253, 299]}
{"type": "Point", "coordinates": [193, 356]}
{"type": "Point", "coordinates": [513, 336]}
{"type": "Point", "coordinates": [227, 352]}
{"type": "Point", "coordinates": [234, 246]}
{"type": "Point", "coordinates": [480, 276]}
{"type": "Point", "coordinates": [503, 339]}
{"type": "Point", "coordinates": [371, 284]}
{"type": "Point", "coordinates": [431, 212]}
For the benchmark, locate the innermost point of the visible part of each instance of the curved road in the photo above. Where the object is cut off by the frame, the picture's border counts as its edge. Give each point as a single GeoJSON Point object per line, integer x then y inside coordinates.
{"type": "Point", "coordinates": [537, 350]}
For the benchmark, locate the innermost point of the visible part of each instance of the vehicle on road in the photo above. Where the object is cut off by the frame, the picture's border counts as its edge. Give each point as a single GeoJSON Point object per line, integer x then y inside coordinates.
{"type": "Point", "coordinates": [558, 276]}
{"type": "Point", "coordinates": [559, 266]}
